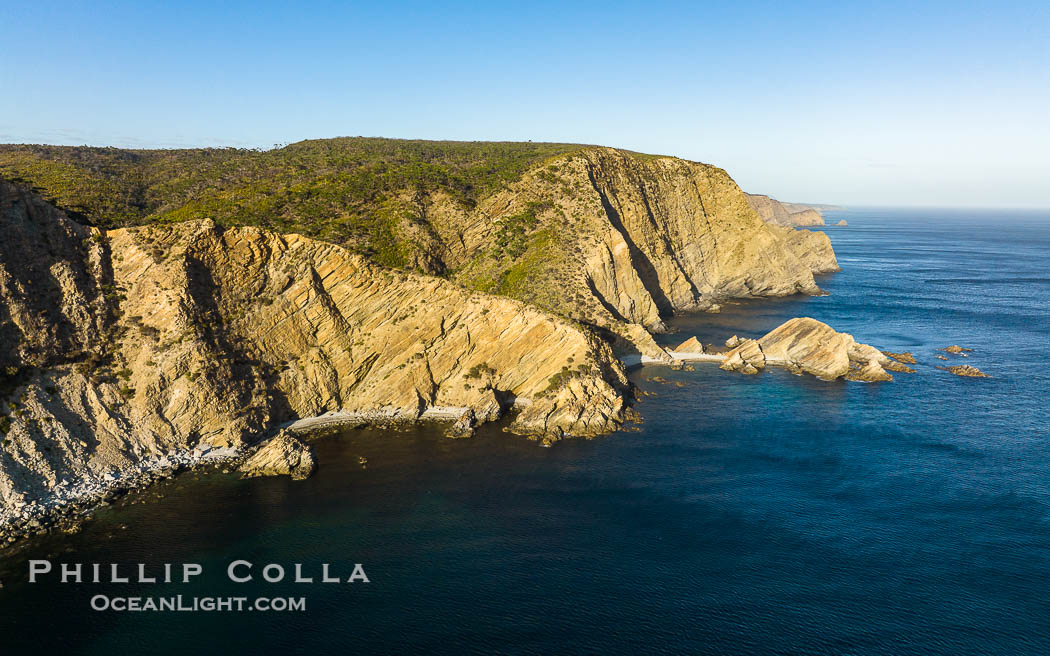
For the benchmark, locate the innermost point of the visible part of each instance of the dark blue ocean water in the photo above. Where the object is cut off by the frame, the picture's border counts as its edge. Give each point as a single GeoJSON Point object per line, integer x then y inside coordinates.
{"type": "Point", "coordinates": [772, 514]}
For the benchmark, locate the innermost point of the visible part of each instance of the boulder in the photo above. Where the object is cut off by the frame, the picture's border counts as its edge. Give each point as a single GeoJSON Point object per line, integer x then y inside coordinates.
{"type": "Point", "coordinates": [747, 358]}
{"type": "Point", "coordinates": [281, 454]}
{"type": "Point", "coordinates": [464, 426]}
{"type": "Point", "coordinates": [842, 223]}
{"type": "Point", "coordinates": [956, 349]}
{"type": "Point", "coordinates": [691, 345]}
{"type": "Point", "coordinates": [733, 342]}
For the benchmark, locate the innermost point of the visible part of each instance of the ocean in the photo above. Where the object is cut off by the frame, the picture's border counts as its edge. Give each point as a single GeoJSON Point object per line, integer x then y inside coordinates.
{"type": "Point", "coordinates": [768, 514]}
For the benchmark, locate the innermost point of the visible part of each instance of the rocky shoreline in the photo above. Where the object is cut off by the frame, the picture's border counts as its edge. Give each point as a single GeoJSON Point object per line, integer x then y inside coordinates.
{"type": "Point", "coordinates": [801, 345]}
{"type": "Point", "coordinates": [69, 505]}
{"type": "Point", "coordinates": [286, 452]}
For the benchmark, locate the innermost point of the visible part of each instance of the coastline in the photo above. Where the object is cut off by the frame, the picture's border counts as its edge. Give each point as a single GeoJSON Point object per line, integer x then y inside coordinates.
{"type": "Point", "coordinates": [68, 505]}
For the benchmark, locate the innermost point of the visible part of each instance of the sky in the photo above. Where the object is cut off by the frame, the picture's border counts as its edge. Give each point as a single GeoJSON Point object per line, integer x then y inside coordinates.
{"type": "Point", "coordinates": [874, 103]}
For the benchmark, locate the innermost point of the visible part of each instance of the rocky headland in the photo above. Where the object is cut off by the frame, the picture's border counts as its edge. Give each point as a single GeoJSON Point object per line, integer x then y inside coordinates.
{"type": "Point", "coordinates": [773, 211]}
{"type": "Point", "coordinates": [130, 346]}
{"type": "Point", "coordinates": [129, 353]}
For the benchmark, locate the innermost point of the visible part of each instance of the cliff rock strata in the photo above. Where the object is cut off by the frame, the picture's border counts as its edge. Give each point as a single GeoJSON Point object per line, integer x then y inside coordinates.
{"type": "Point", "coordinates": [127, 346]}
{"type": "Point", "coordinates": [616, 239]}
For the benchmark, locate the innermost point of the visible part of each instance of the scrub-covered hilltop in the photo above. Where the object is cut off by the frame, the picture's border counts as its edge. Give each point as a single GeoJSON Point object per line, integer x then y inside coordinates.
{"type": "Point", "coordinates": [606, 237]}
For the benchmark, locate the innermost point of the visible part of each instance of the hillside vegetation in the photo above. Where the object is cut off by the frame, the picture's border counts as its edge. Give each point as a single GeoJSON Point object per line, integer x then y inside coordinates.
{"type": "Point", "coordinates": [609, 238]}
{"type": "Point", "coordinates": [352, 191]}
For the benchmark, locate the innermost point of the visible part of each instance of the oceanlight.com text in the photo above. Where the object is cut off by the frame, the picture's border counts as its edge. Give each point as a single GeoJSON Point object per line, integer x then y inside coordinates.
{"type": "Point", "coordinates": [180, 603]}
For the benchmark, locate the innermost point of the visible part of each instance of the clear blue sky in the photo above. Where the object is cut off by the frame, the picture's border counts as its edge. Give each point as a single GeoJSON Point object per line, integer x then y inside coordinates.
{"type": "Point", "coordinates": [858, 103]}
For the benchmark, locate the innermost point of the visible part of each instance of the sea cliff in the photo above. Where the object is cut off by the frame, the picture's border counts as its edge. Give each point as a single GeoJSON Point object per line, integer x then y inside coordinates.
{"type": "Point", "coordinates": [184, 336]}
{"type": "Point", "coordinates": [127, 345]}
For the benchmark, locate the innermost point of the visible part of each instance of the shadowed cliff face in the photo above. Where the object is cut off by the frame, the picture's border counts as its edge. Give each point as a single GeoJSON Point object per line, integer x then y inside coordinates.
{"type": "Point", "coordinates": [135, 343]}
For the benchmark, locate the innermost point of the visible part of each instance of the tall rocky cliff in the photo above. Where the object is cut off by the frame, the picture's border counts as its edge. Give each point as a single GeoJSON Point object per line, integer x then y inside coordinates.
{"type": "Point", "coordinates": [609, 238]}
{"type": "Point", "coordinates": [125, 345]}
{"type": "Point", "coordinates": [623, 241]}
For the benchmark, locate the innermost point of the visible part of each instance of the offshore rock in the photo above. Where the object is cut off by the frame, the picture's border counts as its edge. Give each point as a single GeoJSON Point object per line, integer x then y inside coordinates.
{"type": "Point", "coordinates": [966, 370]}
{"type": "Point", "coordinates": [896, 362]}
{"type": "Point", "coordinates": [897, 367]}
{"type": "Point", "coordinates": [282, 454]}
{"type": "Point", "coordinates": [906, 357]}
{"type": "Point", "coordinates": [842, 223]}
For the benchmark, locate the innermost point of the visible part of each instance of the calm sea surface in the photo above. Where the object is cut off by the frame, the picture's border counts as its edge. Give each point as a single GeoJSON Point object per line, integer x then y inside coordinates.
{"type": "Point", "coordinates": [770, 514]}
